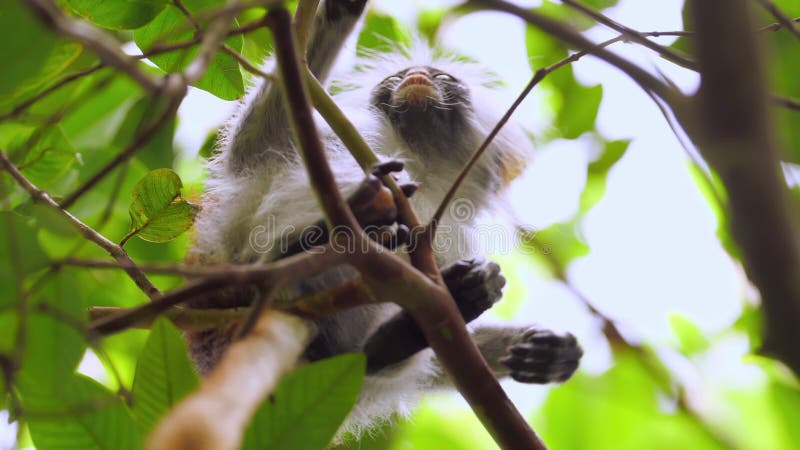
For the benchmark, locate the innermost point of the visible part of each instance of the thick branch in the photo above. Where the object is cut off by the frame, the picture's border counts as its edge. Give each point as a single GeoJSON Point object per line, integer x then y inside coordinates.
{"type": "Point", "coordinates": [298, 104]}
{"type": "Point", "coordinates": [117, 252]}
{"type": "Point", "coordinates": [736, 136]}
{"type": "Point", "coordinates": [215, 416]}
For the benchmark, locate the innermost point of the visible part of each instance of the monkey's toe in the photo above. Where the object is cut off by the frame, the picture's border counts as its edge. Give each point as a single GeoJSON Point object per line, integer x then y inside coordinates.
{"type": "Point", "coordinates": [476, 285]}
{"type": "Point", "coordinates": [543, 356]}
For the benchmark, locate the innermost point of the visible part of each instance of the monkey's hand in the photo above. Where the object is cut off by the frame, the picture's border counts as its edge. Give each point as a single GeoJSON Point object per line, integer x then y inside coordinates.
{"type": "Point", "coordinates": [543, 356]}
{"type": "Point", "coordinates": [373, 205]}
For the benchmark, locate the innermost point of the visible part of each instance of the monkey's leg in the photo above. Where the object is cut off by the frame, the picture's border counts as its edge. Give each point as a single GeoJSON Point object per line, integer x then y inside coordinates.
{"type": "Point", "coordinates": [475, 284]}
{"type": "Point", "coordinates": [527, 354]}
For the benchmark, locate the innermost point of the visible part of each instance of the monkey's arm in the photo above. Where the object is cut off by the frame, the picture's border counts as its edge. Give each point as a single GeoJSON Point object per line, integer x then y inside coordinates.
{"type": "Point", "coordinates": [262, 128]}
{"type": "Point", "coordinates": [475, 285]}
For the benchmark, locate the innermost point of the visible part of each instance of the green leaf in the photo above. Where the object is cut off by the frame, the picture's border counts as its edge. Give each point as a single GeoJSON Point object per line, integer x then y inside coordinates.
{"type": "Point", "coordinates": [164, 374]}
{"type": "Point", "coordinates": [26, 46]}
{"type": "Point", "coordinates": [53, 344]}
{"type": "Point", "coordinates": [158, 212]}
{"type": "Point", "coordinates": [557, 246]}
{"type": "Point", "coordinates": [690, 339]}
{"type": "Point", "coordinates": [223, 77]}
{"type": "Point", "coordinates": [308, 405]}
{"type": "Point", "coordinates": [618, 410]}
{"type": "Point", "coordinates": [118, 14]}
{"type": "Point", "coordinates": [158, 151]}
{"type": "Point", "coordinates": [82, 415]}
{"type": "Point", "coordinates": [597, 173]}
{"type": "Point", "coordinates": [381, 32]}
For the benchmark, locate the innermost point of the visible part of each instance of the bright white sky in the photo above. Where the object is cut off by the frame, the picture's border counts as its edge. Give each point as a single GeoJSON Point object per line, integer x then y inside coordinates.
{"type": "Point", "coordinates": [653, 244]}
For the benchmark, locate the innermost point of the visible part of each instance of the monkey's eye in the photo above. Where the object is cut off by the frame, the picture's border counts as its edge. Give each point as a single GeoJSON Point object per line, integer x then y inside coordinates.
{"type": "Point", "coordinates": [393, 79]}
{"type": "Point", "coordinates": [444, 77]}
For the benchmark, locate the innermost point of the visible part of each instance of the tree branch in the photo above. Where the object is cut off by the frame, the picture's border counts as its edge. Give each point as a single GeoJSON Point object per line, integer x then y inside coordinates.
{"type": "Point", "coordinates": [735, 134]}
{"type": "Point", "coordinates": [631, 34]}
{"type": "Point", "coordinates": [783, 19]}
{"type": "Point", "coordinates": [215, 416]}
{"type": "Point", "coordinates": [117, 252]}
{"type": "Point", "coordinates": [570, 36]}
{"type": "Point", "coordinates": [100, 42]}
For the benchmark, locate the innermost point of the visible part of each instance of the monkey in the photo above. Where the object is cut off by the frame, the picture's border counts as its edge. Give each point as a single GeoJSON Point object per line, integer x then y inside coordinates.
{"type": "Point", "coordinates": [423, 112]}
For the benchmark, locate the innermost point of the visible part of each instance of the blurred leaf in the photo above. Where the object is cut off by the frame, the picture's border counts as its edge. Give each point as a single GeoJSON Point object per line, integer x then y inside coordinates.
{"type": "Point", "coordinates": [118, 14]}
{"type": "Point", "coordinates": [618, 410]}
{"type": "Point", "coordinates": [84, 416]}
{"type": "Point", "coordinates": [62, 55]}
{"type": "Point", "coordinates": [429, 20]}
{"type": "Point", "coordinates": [207, 150]}
{"type": "Point", "coordinates": [258, 43]}
{"type": "Point", "coordinates": [597, 173]}
{"type": "Point", "coordinates": [223, 77]}
{"type": "Point", "coordinates": [578, 104]}
{"type": "Point", "coordinates": [158, 212]}
{"type": "Point", "coordinates": [157, 152]}
{"type": "Point", "coordinates": [20, 255]}
{"type": "Point", "coordinates": [558, 245]}
{"type": "Point", "coordinates": [381, 32]}
{"type": "Point", "coordinates": [690, 338]}
{"type": "Point", "coordinates": [710, 193]}
{"type": "Point", "coordinates": [25, 49]}
{"type": "Point", "coordinates": [787, 401]}
{"type": "Point", "coordinates": [308, 405]}
{"type": "Point", "coordinates": [164, 374]}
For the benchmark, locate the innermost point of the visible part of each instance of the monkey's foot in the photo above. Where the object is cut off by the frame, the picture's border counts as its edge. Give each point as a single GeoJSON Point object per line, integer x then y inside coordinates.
{"type": "Point", "coordinates": [543, 356]}
{"type": "Point", "coordinates": [476, 285]}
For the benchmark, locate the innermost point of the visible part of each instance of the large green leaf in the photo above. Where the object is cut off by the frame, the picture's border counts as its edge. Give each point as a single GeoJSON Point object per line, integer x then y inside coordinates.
{"type": "Point", "coordinates": [222, 78]}
{"type": "Point", "coordinates": [79, 414]}
{"type": "Point", "coordinates": [158, 212]}
{"type": "Point", "coordinates": [25, 47]}
{"type": "Point", "coordinates": [54, 342]}
{"type": "Point", "coordinates": [380, 31]}
{"type": "Point", "coordinates": [118, 14]}
{"type": "Point", "coordinates": [157, 152]}
{"type": "Point", "coordinates": [308, 405]}
{"type": "Point", "coordinates": [618, 410]}
{"type": "Point", "coordinates": [164, 374]}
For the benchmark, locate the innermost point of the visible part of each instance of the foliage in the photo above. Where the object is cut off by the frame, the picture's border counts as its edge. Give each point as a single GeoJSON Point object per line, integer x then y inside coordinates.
{"type": "Point", "coordinates": [70, 135]}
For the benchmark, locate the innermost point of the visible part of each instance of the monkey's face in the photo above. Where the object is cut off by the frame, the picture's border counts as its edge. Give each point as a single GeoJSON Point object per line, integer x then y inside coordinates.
{"type": "Point", "coordinates": [424, 104]}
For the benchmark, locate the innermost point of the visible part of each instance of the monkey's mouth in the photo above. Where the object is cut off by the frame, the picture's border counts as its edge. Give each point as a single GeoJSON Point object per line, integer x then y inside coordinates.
{"type": "Point", "coordinates": [416, 89]}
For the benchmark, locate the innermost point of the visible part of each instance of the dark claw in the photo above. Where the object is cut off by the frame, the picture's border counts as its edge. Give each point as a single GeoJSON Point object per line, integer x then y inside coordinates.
{"type": "Point", "coordinates": [409, 188]}
{"type": "Point", "coordinates": [542, 356]}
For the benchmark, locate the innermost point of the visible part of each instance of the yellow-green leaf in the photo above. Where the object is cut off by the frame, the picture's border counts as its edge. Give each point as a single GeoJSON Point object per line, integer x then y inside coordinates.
{"type": "Point", "coordinates": [158, 212]}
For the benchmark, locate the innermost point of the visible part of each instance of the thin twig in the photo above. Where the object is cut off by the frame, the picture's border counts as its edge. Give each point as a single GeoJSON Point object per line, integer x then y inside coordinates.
{"type": "Point", "coordinates": [786, 102]}
{"type": "Point", "coordinates": [537, 77]}
{"type": "Point", "coordinates": [783, 19]}
{"type": "Point", "coordinates": [672, 97]}
{"type": "Point", "coordinates": [86, 231]}
{"type": "Point", "coordinates": [138, 143]}
{"type": "Point", "coordinates": [100, 42]}
{"type": "Point", "coordinates": [665, 52]}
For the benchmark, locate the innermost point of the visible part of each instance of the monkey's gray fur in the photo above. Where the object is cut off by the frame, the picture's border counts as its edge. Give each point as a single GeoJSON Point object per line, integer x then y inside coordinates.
{"type": "Point", "coordinates": [257, 187]}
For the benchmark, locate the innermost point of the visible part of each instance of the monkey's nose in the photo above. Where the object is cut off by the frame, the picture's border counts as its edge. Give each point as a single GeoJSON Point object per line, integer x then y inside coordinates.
{"type": "Point", "coordinates": [417, 88]}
